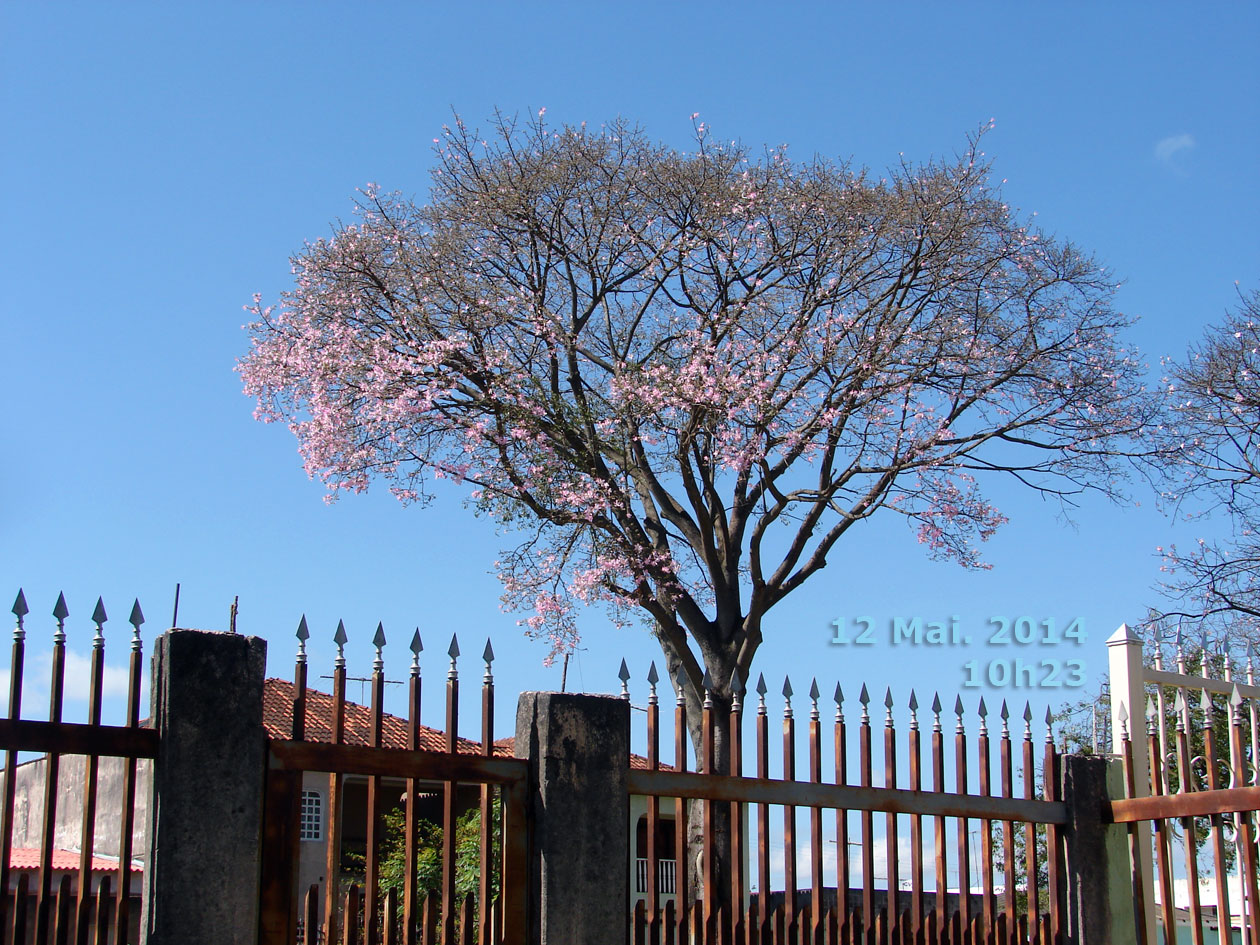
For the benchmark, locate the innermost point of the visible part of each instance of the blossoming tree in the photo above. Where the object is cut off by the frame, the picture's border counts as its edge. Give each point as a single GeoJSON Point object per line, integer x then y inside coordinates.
{"type": "Point", "coordinates": [1215, 433]}
{"type": "Point", "coordinates": [682, 377]}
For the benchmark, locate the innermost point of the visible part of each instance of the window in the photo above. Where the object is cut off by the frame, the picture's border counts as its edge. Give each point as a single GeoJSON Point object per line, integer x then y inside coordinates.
{"type": "Point", "coordinates": [311, 826]}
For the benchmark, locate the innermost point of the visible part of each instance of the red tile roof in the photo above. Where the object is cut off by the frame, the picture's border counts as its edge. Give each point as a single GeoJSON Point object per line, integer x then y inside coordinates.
{"type": "Point", "coordinates": [278, 695]}
{"type": "Point", "coordinates": [23, 858]}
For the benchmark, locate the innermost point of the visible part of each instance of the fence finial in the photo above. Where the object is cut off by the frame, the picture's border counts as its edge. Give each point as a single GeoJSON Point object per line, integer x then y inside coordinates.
{"type": "Point", "coordinates": [624, 675]}
{"type": "Point", "coordinates": [416, 646]}
{"type": "Point", "coordinates": [888, 704]}
{"type": "Point", "coordinates": [864, 697]}
{"type": "Point", "coordinates": [914, 711]}
{"type": "Point", "coordinates": [340, 639]}
{"type": "Point", "coordinates": [61, 612]}
{"type": "Point", "coordinates": [1027, 722]}
{"type": "Point", "coordinates": [958, 711]}
{"type": "Point", "coordinates": [813, 698]}
{"type": "Point", "coordinates": [706, 683]}
{"type": "Point", "coordinates": [1235, 702]}
{"type": "Point", "coordinates": [1251, 664]}
{"type": "Point", "coordinates": [1181, 708]}
{"type": "Point", "coordinates": [1122, 713]}
{"type": "Point", "coordinates": [378, 641]}
{"type": "Point", "coordinates": [680, 684]}
{"type": "Point", "coordinates": [936, 711]}
{"type": "Point", "coordinates": [652, 679]}
{"type": "Point", "coordinates": [761, 693]}
{"type": "Point", "coordinates": [488, 655]}
{"type": "Point", "coordinates": [983, 711]}
{"type": "Point", "coordinates": [20, 610]}
{"type": "Point", "coordinates": [303, 634]}
{"type": "Point", "coordinates": [1006, 714]}
{"type": "Point", "coordinates": [737, 691]}
{"type": "Point", "coordinates": [1150, 713]}
{"type": "Point", "coordinates": [136, 620]}
{"type": "Point", "coordinates": [838, 696]}
{"type": "Point", "coordinates": [453, 652]}
{"type": "Point", "coordinates": [787, 697]}
{"type": "Point", "coordinates": [99, 616]}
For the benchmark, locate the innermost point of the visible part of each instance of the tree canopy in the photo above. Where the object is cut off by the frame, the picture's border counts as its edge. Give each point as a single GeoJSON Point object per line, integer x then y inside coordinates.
{"type": "Point", "coordinates": [1216, 432]}
{"type": "Point", "coordinates": [682, 376]}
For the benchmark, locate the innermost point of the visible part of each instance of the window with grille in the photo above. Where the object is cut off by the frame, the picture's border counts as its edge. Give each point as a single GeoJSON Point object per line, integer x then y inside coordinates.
{"type": "Point", "coordinates": [312, 816]}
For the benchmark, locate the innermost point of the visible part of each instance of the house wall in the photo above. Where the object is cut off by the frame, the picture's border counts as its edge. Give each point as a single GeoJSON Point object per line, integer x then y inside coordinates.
{"type": "Point", "coordinates": [28, 806]}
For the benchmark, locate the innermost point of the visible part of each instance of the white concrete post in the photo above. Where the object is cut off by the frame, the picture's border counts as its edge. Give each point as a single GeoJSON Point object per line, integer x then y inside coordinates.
{"type": "Point", "coordinates": [1125, 670]}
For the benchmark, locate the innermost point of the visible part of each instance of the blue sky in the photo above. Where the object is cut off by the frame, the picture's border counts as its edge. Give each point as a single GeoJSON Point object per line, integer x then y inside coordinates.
{"type": "Point", "coordinates": [161, 162]}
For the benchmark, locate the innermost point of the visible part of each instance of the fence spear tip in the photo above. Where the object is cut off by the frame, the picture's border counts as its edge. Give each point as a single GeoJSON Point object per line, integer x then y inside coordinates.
{"type": "Point", "coordinates": [761, 684]}
{"type": "Point", "coordinates": [936, 703]}
{"type": "Point", "coordinates": [416, 644]}
{"type": "Point", "coordinates": [303, 631]}
{"type": "Point", "coordinates": [60, 610]}
{"type": "Point", "coordinates": [864, 697]}
{"type": "Point", "coordinates": [787, 688]}
{"type": "Point", "coordinates": [1235, 697]}
{"type": "Point", "coordinates": [958, 706]}
{"type": "Point", "coordinates": [488, 653]}
{"type": "Point", "coordinates": [137, 615]}
{"type": "Point", "coordinates": [453, 651]}
{"type": "Point", "coordinates": [914, 702]}
{"type": "Point", "coordinates": [1027, 712]}
{"type": "Point", "coordinates": [623, 674]}
{"type": "Point", "coordinates": [888, 699]}
{"type": "Point", "coordinates": [98, 614]}
{"type": "Point", "coordinates": [652, 677]}
{"type": "Point", "coordinates": [838, 696]}
{"type": "Point", "coordinates": [378, 638]}
{"type": "Point", "coordinates": [20, 609]}
{"type": "Point", "coordinates": [813, 689]}
{"type": "Point", "coordinates": [1150, 708]}
{"type": "Point", "coordinates": [340, 637]}
{"type": "Point", "coordinates": [982, 711]}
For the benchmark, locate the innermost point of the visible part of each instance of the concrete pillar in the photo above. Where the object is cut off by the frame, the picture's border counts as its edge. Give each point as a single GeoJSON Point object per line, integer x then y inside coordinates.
{"type": "Point", "coordinates": [1101, 906]}
{"type": "Point", "coordinates": [201, 875]}
{"type": "Point", "coordinates": [578, 748]}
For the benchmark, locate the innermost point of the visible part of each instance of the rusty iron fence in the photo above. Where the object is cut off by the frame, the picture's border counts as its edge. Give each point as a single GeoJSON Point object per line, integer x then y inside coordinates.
{"type": "Point", "coordinates": [81, 908]}
{"type": "Point", "coordinates": [1190, 774]}
{"type": "Point", "coordinates": [363, 914]}
{"type": "Point", "coordinates": [986, 910]}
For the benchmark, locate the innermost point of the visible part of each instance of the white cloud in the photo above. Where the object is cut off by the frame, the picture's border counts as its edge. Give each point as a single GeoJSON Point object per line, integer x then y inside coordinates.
{"type": "Point", "coordinates": [1167, 149]}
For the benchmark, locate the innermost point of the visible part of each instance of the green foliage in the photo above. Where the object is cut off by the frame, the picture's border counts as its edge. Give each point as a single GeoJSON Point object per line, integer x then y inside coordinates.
{"type": "Point", "coordinates": [393, 859]}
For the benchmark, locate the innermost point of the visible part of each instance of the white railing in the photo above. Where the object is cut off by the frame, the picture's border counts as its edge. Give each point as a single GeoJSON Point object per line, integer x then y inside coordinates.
{"type": "Point", "coordinates": [665, 882]}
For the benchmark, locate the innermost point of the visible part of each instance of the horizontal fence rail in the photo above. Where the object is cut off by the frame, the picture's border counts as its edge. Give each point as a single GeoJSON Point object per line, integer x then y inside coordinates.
{"type": "Point", "coordinates": [1012, 887]}
{"type": "Point", "coordinates": [94, 896]}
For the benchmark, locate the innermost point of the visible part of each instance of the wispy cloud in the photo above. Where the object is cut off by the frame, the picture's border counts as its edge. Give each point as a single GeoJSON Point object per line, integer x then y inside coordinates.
{"type": "Point", "coordinates": [1167, 149]}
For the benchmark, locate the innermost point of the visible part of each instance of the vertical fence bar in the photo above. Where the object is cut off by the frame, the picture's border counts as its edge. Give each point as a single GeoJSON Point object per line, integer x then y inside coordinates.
{"type": "Point", "coordinates": [1130, 790]}
{"type": "Point", "coordinates": [101, 913]}
{"type": "Point", "coordinates": [890, 840]}
{"type": "Point", "coordinates": [372, 890]}
{"type": "Point", "coordinates": [989, 905]}
{"type": "Point", "coordinates": [1054, 834]}
{"type": "Point", "coordinates": [336, 787]}
{"type": "Point", "coordinates": [738, 845]}
{"type": "Point", "coordinates": [842, 819]}
{"type": "Point", "coordinates": [1217, 820]}
{"type": "Point", "coordinates": [1008, 829]}
{"type": "Point", "coordinates": [52, 763]}
{"type": "Point", "coordinates": [816, 916]}
{"type": "Point", "coordinates": [938, 786]}
{"type": "Point", "coordinates": [1163, 861]}
{"type": "Point", "coordinates": [485, 887]}
{"type": "Point", "coordinates": [916, 825]}
{"type": "Point", "coordinates": [964, 849]}
{"type": "Point", "coordinates": [449, 905]}
{"type": "Point", "coordinates": [1246, 829]}
{"type": "Point", "coordinates": [410, 841]}
{"type": "Point", "coordinates": [709, 905]}
{"type": "Point", "coordinates": [763, 813]}
{"type": "Point", "coordinates": [122, 906]}
{"type": "Point", "coordinates": [87, 832]}
{"type": "Point", "coordinates": [789, 815]}
{"type": "Point", "coordinates": [1033, 910]}
{"type": "Point", "coordinates": [653, 811]}
{"type": "Point", "coordinates": [20, 610]}
{"type": "Point", "coordinates": [1186, 784]}
{"type": "Point", "coordinates": [868, 824]}
{"type": "Point", "coordinates": [682, 875]}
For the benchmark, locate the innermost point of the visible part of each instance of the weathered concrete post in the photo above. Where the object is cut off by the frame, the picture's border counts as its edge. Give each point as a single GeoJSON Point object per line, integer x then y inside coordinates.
{"type": "Point", "coordinates": [201, 874]}
{"type": "Point", "coordinates": [1101, 904]}
{"type": "Point", "coordinates": [578, 748]}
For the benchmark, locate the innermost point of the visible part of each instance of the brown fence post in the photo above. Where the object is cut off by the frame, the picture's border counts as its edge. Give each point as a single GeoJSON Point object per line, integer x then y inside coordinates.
{"type": "Point", "coordinates": [578, 749]}
{"type": "Point", "coordinates": [1098, 871]}
{"type": "Point", "coordinates": [201, 877]}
